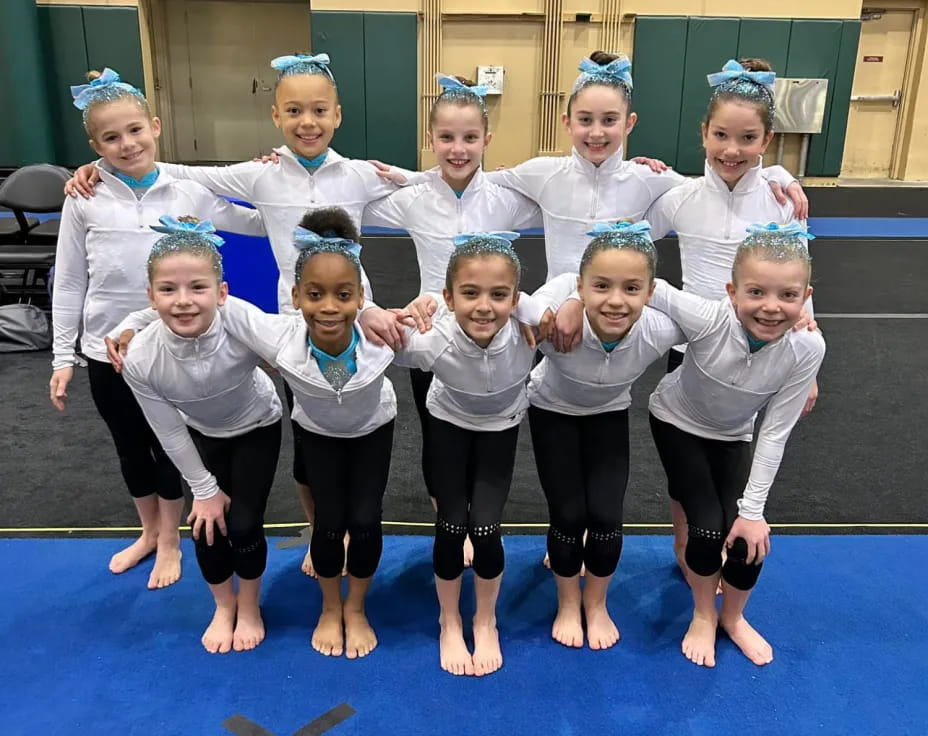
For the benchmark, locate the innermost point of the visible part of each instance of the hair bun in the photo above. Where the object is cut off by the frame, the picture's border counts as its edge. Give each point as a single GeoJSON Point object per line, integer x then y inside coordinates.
{"type": "Point", "coordinates": [756, 65]}
{"type": "Point", "coordinates": [465, 81]}
{"type": "Point", "coordinates": [93, 74]}
{"type": "Point", "coordinates": [603, 57]}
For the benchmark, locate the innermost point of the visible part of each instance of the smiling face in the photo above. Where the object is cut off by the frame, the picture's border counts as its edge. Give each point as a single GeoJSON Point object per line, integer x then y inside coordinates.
{"type": "Point", "coordinates": [598, 122]}
{"type": "Point", "coordinates": [484, 292]}
{"type": "Point", "coordinates": [734, 139]}
{"type": "Point", "coordinates": [307, 112]}
{"type": "Point", "coordinates": [768, 295]}
{"type": "Point", "coordinates": [124, 135]}
{"type": "Point", "coordinates": [459, 138]}
{"type": "Point", "coordinates": [186, 292]}
{"type": "Point", "coordinates": [329, 295]}
{"type": "Point", "coordinates": [615, 286]}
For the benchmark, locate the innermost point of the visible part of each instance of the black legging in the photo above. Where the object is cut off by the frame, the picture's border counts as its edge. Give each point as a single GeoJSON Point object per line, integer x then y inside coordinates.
{"type": "Point", "coordinates": [244, 467]}
{"type": "Point", "coordinates": [708, 477]}
{"type": "Point", "coordinates": [583, 468]}
{"type": "Point", "coordinates": [421, 380]}
{"type": "Point", "coordinates": [674, 359]}
{"type": "Point", "coordinates": [347, 477]}
{"type": "Point", "coordinates": [472, 473]}
{"type": "Point", "coordinates": [144, 465]}
{"type": "Point", "coordinates": [299, 470]}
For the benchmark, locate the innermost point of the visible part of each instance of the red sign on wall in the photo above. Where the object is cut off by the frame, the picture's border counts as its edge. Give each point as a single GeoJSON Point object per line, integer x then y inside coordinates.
{"type": "Point", "coordinates": [873, 58]}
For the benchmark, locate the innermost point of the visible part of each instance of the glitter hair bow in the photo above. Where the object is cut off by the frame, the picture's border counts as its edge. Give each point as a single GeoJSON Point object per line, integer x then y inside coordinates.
{"type": "Point", "coordinates": [451, 84]}
{"type": "Point", "coordinates": [504, 237]}
{"type": "Point", "coordinates": [84, 94]}
{"type": "Point", "coordinates": [642, 227]}
{"type": "Point", "coordinates": [617, 70]}
{"type": "Point", "coordinates": [174, 226]}
{"type": "Point", "coordinates": [305, 239]}
{"type": "Point", "coordinates": [792, 230]}
{"type": "Point", "coordinates": [734, 71]}
{"type": "Point", "coordinates": [321, 61]}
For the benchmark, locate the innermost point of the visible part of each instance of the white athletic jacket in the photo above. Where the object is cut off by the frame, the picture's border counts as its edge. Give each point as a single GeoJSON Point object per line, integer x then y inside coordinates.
{"type": "Point", "coordinates": [365, 403]}
{"type": "Point", "coordinates": [103, 248]}
{"type": "Point", "coordinates": [211, 383]}
{"type": "Point", "coordinates": [432, 214]}
{"type": "Point", "coordinates": [721, 385]}
{"type": "Point", "coordinates": [481, 389]}
{"type": "Point", "coordinates": [284, 192]}
{"type": "Point", "coordinates": [588, 379]}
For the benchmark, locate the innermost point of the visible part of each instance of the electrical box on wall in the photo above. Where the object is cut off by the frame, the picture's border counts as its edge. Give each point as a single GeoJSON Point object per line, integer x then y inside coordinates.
{"type": "Point", "coordinates": [492, 77]}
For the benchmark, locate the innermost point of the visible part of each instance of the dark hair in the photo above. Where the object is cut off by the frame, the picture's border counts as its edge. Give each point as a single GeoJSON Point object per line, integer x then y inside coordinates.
{"type": "Point", "coordinates": [746, 92]}
{"type": "Point", "coordinates": [481, 247]}
{"type": "Point", "coordinates": [328, 222]}
{"type": "Point", "coordinates": [461, 98]}
{"type": "Point", "coordinates": [192, 243]}
{"type": "Point", "coordinates": [602, 58]}
{"type": "Point", "coordinates": [638, 242]}
{"type": "Point", "coordinates": [306, 67]}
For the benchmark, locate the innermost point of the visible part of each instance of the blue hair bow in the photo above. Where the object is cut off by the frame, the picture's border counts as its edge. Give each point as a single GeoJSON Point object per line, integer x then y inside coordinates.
{"type": "Point", "coordinates": [282, 63]}
{"type": "Point", "coordinates": [83, 94]}
{"type": "Point", "coordinates": [449, 83]}
{"type": "Point", "coordinates": [303, 239]}
{"type": "Point", "coordinates": [793, 229]}
{"type": "Point", "coordinates": [642, 226]}
{"type": "Point", "coordinates": [620, 69]}
{"type": "Point", "coordinates": [504, 236]}
{"type": "Point", "coordinates": [734, 70]}
{"type": "Point", "coordinates": [171, 226]}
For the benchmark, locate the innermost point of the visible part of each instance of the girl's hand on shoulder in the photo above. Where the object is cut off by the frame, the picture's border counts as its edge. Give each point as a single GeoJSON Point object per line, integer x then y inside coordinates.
{"type": "Point", "coordinates": [268, 158]}
{"type": "Point", "coordinates": [386, 172]}
{"type": "Point", "coordinates": [58, 386]}
{"type": "Point", "coordinates": [381, 328]}
{"type": "Point", "coordinates": [799, 199]}
{"type": "Point", "coordinates": [805, 322]}
{"type": "Point", "coordinates": [811, 401]}
{"type": "Point", "coordinates": [83, 182]}
{"type": "Point", "coordinates": [545, 326]}
{"type": "Point", "coordinates": [115, 349]}
{"type": "Point", "coordinates": [568, 326]}
{"type": "Point", "coordinates": [756, 534]}
{"type": "Point", "coordinates": [528, 332]}
{"type": "Point", "coordinates": [655, 164]}
{"type": "Point", "coordinates": [207, 514]}
{"type": "Point", "coordinates": [421, 310]}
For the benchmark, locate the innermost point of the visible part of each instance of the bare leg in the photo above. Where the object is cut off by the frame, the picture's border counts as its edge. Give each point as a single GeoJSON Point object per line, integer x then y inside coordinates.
{"type": "Point", "coordinates": [745, 636]}
{"type": "Point", "coordinates": [360, 639]}
{"type": "Point", "coordinates": [147, 508]}
{"type": "Point", "coordinates": [601, 630]}
{"type": "Point", "coordinates": [217, 639]}
{"type": "Point", "coordinates": [680, 535]}
{"type": "Point", "coordinates": [309, 509]}
{"type": "Point", "coordinates": [568, 624]}
{"type": "Point", "coordinates": [488, 657]}
{"type": "Point", "coordinates": [249, 626]}
{"type": "Point", "coordinates": [167, 558]}
{"type": "Point", "coordinates": [699, 642]}
{"type": "Point", "coordinates": [329, 635]}
{"type": "Point", "coordinates": [452, 651]}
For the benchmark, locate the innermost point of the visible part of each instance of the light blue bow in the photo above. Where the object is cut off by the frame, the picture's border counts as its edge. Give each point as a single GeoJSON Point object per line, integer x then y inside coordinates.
{"type": "Point", "coordinates": [504, 236]}
{"type": "Point", "coordinates": [601, 228]}
{"type": "Point", "coordinates": [734, 70]}
{"type": "Point", "coordinates": [171, 226]}
{"type": "Point", "coordinates": [83, 94]}
{"type": "Point", "coordinates": [303, 239]}
{"type": "Point", "coordinates": [794, 229]}
{"type": "Point", "coordinates": [450, 83]}
{"type": "Point", "coordinates": [620, 69]}
{"type": "Point", "coordinates": [282, 63]}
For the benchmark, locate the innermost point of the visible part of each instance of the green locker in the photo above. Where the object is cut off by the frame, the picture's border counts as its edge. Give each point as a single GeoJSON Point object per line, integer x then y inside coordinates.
{"type": "Point", "coordinates": [836, 128]}
{"type": "Point", "coordinates": [658, 87]}
{"type": "Point", "coordinates": [764, 38]}
{"type": "Point", "coordinates": [112, 36]}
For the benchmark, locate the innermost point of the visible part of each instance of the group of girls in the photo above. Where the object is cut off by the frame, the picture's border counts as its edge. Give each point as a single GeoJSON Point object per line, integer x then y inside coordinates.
{"type": "Point", "coordinates": [190, 393]}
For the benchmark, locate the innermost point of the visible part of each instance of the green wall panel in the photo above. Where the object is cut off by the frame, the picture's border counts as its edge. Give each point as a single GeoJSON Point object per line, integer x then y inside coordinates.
{"type": "Point", "coordinates": [112, 36]}
{"type": "Point", "coordinates": [390, 87]}
{"type": "Point", "coordinates": [341, 36]}
{"type": "Point", "coordinates": [836, 128]}
{"type": "Point", "coordinates": [761, 38]}
{"type": "Point", "coordinates": [62, 29]}
{"type": "Point", "coordinates": [658, 87]}
{"type": "Point", "coordinates": [710, 42]}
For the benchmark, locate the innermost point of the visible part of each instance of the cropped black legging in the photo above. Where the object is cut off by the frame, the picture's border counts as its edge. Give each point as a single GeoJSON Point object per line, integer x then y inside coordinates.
{"type": "Point", "coordinates": [420, 382]}
{"type": "Point", "coordinates": [244, 467]}
{"type": "Point", "coordinates": [347, 477]}
{"type": "Point", "coordinates": [583, 468]}
{"type": "Point", "coordinates": [471, 475]}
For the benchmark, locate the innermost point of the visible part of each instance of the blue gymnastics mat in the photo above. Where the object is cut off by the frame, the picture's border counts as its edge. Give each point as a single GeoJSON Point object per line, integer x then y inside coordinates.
{"type": "Point", "coordinates": [87, 652]}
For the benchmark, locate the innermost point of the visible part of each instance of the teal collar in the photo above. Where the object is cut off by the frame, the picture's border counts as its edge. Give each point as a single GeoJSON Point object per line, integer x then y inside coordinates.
{"type": "Point", "coordinates": [340, 368]}
{"type": "Point", "coordinates": [312, 163]}
{"type": "Point", "coordinates": [610, 346]}
{"type": "Point", "coordinates": [753, 343]}
{"type": "Point", "coordinates": [144, 183]}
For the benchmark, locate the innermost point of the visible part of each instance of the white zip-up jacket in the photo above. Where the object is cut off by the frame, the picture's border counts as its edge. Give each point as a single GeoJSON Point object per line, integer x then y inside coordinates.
{"type": "Point", "coordinates": [721, 385]}
{"type": "Point", "coordinates": [103, 247]}
{"type": "Point", "coordinates": [432, 215]}
{"type": "Point", "coordinates": [475, 388]}
{"type": "Point", "coordinates": [284, 192]}
{"type": "Point", "coordinates": [363, 404]}
{"type": "Point", "coordinates": [211, 383]}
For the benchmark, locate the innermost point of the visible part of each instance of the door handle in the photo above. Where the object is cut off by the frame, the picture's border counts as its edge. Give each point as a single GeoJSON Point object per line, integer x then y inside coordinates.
{"type": "Point", "coordinates": [254, 86]}
{"type": "Point", "coordinates": [895, 98]}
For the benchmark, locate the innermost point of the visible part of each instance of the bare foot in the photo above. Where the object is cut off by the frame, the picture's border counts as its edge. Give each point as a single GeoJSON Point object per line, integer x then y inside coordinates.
{"type": "Point", "coordinates": [217, 639]}
{"type": "Point", "coordinates": [453, 651]}
{"type": "Point", "coordinates": [547, 561]}
{"type": "Point", "coordinates": [360, 639]}
{"type": "Point", "coordinates": [699, 642]}
{"type": "Point", "coordinates": [749, 641]}
{"type": "Point", "coordinates": [601, 630]}
{"type": "Point", "coordinates": [568, 625]}
{"type": "Point", "coordinates": [167, 567]}
{"type": "Point", "coordinates": [469, 551]}
{"type": "Point", "coordinates": [328, 638]}
{"type": "Point", "coordinates": [488, 657]}
{"type": "Point", "coordinates": [133, 554]}
{"type": "Point", "coordinates": [249, 628]}
{"type": "Point", "coordinates": [307, 566]}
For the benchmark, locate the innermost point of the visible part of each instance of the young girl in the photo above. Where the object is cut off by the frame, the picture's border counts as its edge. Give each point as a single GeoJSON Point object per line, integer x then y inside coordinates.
{"type": "Point", "coordinates": [476, 401]}
{"type": "Point", "coordinates": [344, 410]}
{"type": "Point", "coordinates": [742, 356]}
{"type": "Point", "coordinates": [217, 415]}
{"type": "Point", "coordinates": [579, 420]}
{"type": "Point", "coordinates": [710, 214]}
{"type": "Point", "coordinates": [100, 277]}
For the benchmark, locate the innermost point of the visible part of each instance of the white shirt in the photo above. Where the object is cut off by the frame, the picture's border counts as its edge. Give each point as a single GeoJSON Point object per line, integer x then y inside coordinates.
{"type": "Point", "coordinates": [363, 404]}
{"type": "Point", "coordinates": [284, 192]}
{"type": "Point", "coordinates": [211, 383]}
{"type": "Point", "coordinates": [721, 385]}
{"type": "Point", "coordinates": [432, 215]}
{"type": "Point", "coordinates": [103, 248]}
